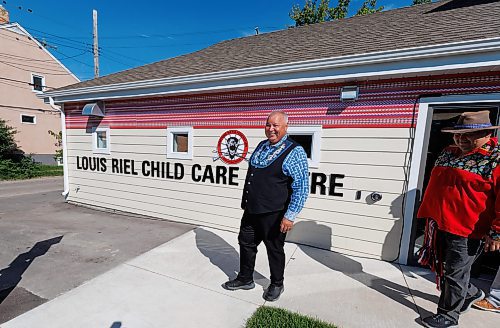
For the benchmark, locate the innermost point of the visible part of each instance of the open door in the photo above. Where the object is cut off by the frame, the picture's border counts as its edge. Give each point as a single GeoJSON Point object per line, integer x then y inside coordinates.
{"type": "Point", "coordinates": [445, 116]}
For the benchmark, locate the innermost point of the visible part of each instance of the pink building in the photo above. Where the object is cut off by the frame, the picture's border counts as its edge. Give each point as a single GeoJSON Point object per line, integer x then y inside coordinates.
{"type": "Point", "coordinates": [26, 70]}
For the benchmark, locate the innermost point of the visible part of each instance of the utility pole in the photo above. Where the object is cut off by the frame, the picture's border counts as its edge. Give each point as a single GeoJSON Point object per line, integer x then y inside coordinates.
{"type": "Point", "coordinates": [96, 46]}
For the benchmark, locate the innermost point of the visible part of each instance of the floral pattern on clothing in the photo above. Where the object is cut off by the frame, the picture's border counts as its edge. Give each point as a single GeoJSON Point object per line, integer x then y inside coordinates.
{"type": "Point", "coordinates": [265, 153]}
{"type": "Point", "coordinates": [481, 162]}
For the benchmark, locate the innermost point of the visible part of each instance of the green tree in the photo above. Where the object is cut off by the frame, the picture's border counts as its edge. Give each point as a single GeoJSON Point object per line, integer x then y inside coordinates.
{"type": "Point", "coordinates": [340, 11]}
{"type": "Point", "coordinates": [13, 163]}
{"type": "Point", "coordinates": [369, 7]}
{"type": "Point", "coordinates": [8, 146]}
{"type": "Point", "coordinates": [419, 2]}
{"type": "Point", "coordinates": [312, 12]}
{"type": "Point", "coordinates": [59, 152]}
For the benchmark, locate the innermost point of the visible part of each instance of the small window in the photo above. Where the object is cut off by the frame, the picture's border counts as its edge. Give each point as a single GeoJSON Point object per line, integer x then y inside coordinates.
{"type": "Point", "coordinates": [100, 140]}
{"type": "Point", "coordinates": [37, 82]}
{"type": "Point", "coordinates": [180, 142]}
{"type": "Point", "coordinates": [28, 119]}
{"type": "Point", "coordinates": [309, 137]}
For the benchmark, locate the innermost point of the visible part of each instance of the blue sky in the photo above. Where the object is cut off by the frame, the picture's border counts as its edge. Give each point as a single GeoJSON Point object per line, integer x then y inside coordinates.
{"type": "Point", "coordinates": [134, 33]}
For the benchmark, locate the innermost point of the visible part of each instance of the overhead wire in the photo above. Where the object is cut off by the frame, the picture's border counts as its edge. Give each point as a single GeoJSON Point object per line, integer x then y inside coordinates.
{"type": "Point", "coordinates": [44, 69]}
{"type": "Point", "coordinates": [72, 42]}
{"type": "Point", "coordinates": [23, 109]}
{"type": "Point", "coordinates": [15, 66]}
{"type": "Point", "coordinates": [45, 61]}
{"type": "Point", "coordinates": [72, 58]}
{"type": "Point", "coordinates": [23, 82]}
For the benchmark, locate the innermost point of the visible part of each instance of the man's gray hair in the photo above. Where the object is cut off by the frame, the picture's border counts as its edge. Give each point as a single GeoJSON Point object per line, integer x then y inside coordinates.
{"type": "Point", "coordinates": [279, 112]}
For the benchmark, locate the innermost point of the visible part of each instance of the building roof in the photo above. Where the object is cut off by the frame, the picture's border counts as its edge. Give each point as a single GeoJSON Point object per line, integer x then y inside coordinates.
{"type": "Point", "coordinates": [443, 22]}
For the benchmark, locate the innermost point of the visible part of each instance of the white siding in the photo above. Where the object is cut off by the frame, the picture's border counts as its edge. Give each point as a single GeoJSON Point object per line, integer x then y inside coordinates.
{"type": "Point", "coordinates": [372, 160]}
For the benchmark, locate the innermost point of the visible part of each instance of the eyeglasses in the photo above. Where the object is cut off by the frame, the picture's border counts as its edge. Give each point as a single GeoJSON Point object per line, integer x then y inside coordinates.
{"type": "Point", "coordinates": [474, 134]}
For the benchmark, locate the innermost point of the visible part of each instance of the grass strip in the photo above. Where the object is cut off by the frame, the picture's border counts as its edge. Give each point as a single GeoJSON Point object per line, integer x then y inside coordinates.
{"type": "Point", "coordinates": [270, 317]}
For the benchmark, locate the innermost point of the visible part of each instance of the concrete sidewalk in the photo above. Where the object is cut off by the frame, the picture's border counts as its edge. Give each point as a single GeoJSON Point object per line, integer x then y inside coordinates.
{"type": "Point", "coordinates": [178, 284]}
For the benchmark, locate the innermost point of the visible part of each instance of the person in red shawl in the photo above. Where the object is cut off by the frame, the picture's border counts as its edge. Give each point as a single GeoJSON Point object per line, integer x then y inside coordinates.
{"type": "Point", "coordinates": [462, 208]}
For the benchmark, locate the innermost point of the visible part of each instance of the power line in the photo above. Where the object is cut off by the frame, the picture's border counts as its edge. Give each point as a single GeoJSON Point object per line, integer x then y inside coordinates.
{"type": "Point", "coordinates": [57, 36]}
{"type": "Point", "coordinates": [160, 46]}
{"type": "Point", "coordinates": [63, 45]}
{"type": "Point", "coordinates": [146, 36]}
{"type": "Point", "coordinates": [50, 19]}
{"type": "Point", "coordinates": [13, 85]}
{"type": "Point", "coordinates": [22, 69]}
{"type": "Point", "coordinates": [114, 60]}
{"type": "Point", "coordinates": [16, 109]}
{"type": "Point", "coordinates": [12, 80]}
{"type": "Point", "coordinates": [21, 81]}
{"type": "Point", "coordinates": [44, 69]}
{"type": "Point", "coordinates": [127, 57]}
{"type": "Point", "coordinates": [32, 44]}
{"type": "Point", "coordinates": [73, 58]}
{"type": "Point", "coordinates": [37, 61]}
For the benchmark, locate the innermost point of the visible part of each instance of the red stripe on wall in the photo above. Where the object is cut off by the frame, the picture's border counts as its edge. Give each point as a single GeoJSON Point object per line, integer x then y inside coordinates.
{"type": "Point", "coordinates": [381, 104]}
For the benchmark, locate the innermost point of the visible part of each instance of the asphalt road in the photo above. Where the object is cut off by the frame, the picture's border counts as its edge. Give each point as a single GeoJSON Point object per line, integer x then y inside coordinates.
{"type": "Point", "coordinates": [48, 247]}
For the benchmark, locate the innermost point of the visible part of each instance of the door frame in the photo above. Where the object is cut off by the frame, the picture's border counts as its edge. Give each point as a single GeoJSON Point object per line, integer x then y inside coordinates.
{"type": "Point", "coordinates": [419, 157]}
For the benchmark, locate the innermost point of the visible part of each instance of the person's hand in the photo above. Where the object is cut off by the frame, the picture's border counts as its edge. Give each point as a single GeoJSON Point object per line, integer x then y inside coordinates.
{"type": "Point", "coordinates": [491, 245]}
{"type": "Point", "coordinates": [286, 225]}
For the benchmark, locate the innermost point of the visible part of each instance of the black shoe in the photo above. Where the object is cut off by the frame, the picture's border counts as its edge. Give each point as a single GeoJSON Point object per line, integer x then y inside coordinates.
{"type": "Point", "coordinates": [238, 284]}
{"type": "Point", "coordinates": [439, 321]}
{"type": "Point", "coordinates": [471, 300]}
{"type": "Point", "coordinates": [273, 292]}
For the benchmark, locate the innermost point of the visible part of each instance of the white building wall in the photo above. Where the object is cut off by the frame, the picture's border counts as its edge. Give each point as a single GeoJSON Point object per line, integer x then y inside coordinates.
{"type": "Point", "coordinates": [372, 160]}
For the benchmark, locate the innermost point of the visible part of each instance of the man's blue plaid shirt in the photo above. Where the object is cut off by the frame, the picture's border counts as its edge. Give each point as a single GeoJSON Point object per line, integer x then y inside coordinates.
{"type": "Point", "coordinates": [295, 166]}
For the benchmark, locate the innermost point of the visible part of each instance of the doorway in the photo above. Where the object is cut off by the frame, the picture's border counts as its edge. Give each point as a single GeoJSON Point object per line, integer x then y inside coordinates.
{"type": "Point", "coordinates": [445, 115]}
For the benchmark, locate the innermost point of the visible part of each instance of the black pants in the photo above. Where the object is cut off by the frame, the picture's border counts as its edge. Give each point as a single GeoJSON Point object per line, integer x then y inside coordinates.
{"type": "Point", "coordinates": [254, 229]}
{"type": "Point", "coordinates": [459, 255]}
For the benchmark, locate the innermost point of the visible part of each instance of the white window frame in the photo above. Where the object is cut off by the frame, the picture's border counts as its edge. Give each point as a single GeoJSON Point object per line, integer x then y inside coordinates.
{"type": "Point", "coordinates": [106, 150]}
{"type": "Point", "coordinates": [315, 131]}
{"type": "Point", "coordinates": [30, 115]}
{"type": "Point", "coordinates": [33, 82]}
{"type": "Point", "coordinates": [170, 142]}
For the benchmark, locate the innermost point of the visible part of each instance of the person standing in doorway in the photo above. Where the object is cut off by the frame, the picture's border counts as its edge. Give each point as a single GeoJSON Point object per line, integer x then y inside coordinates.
{"type": "Point", "coordinates": [462, 207]}
{"type": "Point", "coordinates": [276, 188]}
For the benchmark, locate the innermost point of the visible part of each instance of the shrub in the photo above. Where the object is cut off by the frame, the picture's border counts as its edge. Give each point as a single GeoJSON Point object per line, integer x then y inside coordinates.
{"type": "Point", "coordinates": [14, 164]}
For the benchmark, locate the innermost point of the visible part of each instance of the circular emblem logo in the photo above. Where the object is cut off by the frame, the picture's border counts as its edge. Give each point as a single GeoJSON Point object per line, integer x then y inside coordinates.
{"type": "Point", "coordinates": [232, 147]}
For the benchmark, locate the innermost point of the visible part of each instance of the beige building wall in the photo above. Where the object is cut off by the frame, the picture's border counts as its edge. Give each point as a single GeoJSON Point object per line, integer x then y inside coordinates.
{"type": "Point", "coordinates": [372, 160]}
{"type": "Point", "coordinates": [20, 58]}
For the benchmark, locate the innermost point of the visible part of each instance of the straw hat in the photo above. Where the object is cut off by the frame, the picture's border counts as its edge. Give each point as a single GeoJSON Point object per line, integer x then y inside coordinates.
{"type": "Point", "coordinates": [472, 121]}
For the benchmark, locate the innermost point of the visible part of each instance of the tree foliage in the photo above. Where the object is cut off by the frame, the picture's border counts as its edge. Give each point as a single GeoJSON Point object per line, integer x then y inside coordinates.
{"type": "Point", "coordinates": [8, 146]}
{"type": "Point", "coordinates": [419, 2]}
{"type": "Point", "coordinates": [13, 163]}
{"type": "Point", "coordinates": [311, 13]}
{"type": "Point", "coordinates": [369, 7]}
{"type": "Point", "coordinates": [59, 152]}
{"type": "Point", "coordinates": [314, 12]}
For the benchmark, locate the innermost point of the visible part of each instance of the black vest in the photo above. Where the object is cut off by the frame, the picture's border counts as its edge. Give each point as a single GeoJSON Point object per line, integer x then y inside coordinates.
{"type": "Point", "coordinates": [268, 189]}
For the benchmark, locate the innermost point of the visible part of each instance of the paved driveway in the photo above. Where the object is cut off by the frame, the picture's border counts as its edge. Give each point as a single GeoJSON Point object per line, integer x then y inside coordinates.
{"type": "Point", "coordinates": [49, 247]}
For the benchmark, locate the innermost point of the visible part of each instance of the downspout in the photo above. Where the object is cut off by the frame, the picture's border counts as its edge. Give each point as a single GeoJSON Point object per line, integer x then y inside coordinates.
{"type": "Point", "coordinates": [65, 150]}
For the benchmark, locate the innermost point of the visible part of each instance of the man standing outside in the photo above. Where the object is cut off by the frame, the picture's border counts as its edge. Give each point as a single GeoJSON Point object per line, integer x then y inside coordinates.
{"type": "Point", "coordinates": [462, 207]}
{"type": "Point", "coordinates": [276, 188]}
